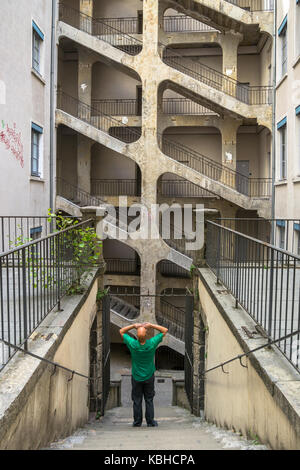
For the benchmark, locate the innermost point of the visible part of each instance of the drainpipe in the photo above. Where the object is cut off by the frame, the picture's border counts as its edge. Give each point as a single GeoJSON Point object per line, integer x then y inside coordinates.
{"type": "Point", "coordinates": [274, 124]}
{"type": "Point", "coordinates": [270, 322]}
{"type": "Point", "coordinates": [52, 100]}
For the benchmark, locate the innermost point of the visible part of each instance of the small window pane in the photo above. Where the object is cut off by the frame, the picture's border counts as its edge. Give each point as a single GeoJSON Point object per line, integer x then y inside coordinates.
{"type": "Point", "coordinates": [35, 153]}
{"type": "Point", "coordinates": [36, 52]}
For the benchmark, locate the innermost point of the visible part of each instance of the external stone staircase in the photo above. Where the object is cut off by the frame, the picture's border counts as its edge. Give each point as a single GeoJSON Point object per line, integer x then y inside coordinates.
{"type": "Point", "coordinates": [177, 430]}
{"type": "Point", "coordinates": [174, 157]}
{"type": "Point", "coordinates": [229, 96]}
{"type": "Point", "coordinates": [123, 313]}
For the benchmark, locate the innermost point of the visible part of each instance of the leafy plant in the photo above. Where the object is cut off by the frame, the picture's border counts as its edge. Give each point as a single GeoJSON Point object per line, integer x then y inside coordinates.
{"type": "Point", "coordinates": [192, 269]}
{"type": "Point", "coordinates": [101, 293]}
{"type": "Point", "coordinates": [82, 246]}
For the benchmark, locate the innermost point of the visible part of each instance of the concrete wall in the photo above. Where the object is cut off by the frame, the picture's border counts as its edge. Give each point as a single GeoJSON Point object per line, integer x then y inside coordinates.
{"type": "Point", "coordinates": [111, 83]}
{"type": "Point", "coordinates": [261, 400]}
{"type": "Point", "coordinates": [25, 98]}
{"type": "Point", "coordinates": [42, 407]}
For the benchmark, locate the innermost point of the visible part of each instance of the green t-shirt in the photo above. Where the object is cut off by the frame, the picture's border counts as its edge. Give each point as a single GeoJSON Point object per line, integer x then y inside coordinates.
{"type": "Point", "coordinates": [142, 356]}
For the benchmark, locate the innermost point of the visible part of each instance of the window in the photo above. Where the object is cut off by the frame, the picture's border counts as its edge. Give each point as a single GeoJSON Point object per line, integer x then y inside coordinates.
{"type": "Point", "coordinates": [281, 233]}
{"type": "Point", "coordinates": [282, 33]}
{"type": "Point", "coordinates": [284, 52]}
{"type": "Point", "coordinates": [36, 147]}
{"type": "Point", "coordinates": [36, 233]}
{"type": "Point", "coordinates": [282, 128]}
{"type": "Point", "coordinates": [37, 41]}
{"type": "Point", "coordinates": [296, 248]}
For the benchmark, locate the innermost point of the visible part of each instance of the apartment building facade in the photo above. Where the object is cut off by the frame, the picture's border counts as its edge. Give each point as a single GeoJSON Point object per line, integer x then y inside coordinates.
{"type": "Point", "coordinates": [287, 122]}
{"type": "Point", "coordinates": [25, 107]}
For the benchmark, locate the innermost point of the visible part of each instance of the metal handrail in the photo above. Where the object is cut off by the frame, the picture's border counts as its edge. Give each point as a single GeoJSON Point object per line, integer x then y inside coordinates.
{"type": "Point", "coordinates": [213, 169]}
{"type": "Point", "coordinates": [263, 278]}
{"type": "Point", "coordinates": [252, 95]}
{"type": "Point", "coordinates": [96, 27]}
{"type": "Point", "coordinates": [253, 5]}
{"type": "Point", "coordinates": [258, 348]}
{"type": "Point", "coordinates": [197, 161]}
{"type": "Point", "coordinates": [257, 95]}
{"type": "Point", "coordinates": [101, 121]}
{"type": "Point", "coordinates": [43, 359]}
{"type": "Point", "coordinates": [33, 279]}
{"type": "Point", "coordinates": [129, 107]}
{"type": "Point", "coordinates": [64, 188]}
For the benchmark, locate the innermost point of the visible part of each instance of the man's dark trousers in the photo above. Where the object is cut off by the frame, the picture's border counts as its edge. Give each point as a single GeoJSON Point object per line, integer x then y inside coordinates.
{"type": "Point", "coordinates": [140, 389]}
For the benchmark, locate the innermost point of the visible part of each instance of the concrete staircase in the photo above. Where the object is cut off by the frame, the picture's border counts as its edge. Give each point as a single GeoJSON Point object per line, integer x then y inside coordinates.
{"type": "Point", "coordinates": [177, 430]}
{"type": "Point", "coordinates": [123, 314]}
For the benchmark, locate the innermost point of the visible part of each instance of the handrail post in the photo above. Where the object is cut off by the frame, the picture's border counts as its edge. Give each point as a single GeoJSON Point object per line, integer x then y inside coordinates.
{"type": "Point", "coordinates": [25, 316]}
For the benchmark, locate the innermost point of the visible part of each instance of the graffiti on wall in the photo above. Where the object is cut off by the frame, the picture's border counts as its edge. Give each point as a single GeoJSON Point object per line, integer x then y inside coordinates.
{"type": "Point", "coordinates": [12, 139]}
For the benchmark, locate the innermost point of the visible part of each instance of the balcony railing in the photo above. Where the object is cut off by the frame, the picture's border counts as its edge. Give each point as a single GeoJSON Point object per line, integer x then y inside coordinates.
{"type": "Point", "coordinates": [33, 279]}
{"type": "Point", "coordinates": [185, 24]}
{"type": "Point", "coordinates": [130, 107]}
{"type": "Point", "coordinates": [252, 187]}
{"type": "Point", "coordinates": [252, 95]}
{"type": "Point", "coordinates": [169, 269]}
{"type": "Point", "coordinates": [96, 27]}
{"type": "Point", "coordinates": [122, 266]}
{"type": "Point", "coordinates": [254, 5]}
{"type": "Point", "coordinates": [183, 188]}
{"type": "Point", "coordinates": [172, 318]}
{"type": "Point", "coordinates": [114, 187]}
{"type": "Point", "coordinates": [96, 118]}
{"type": "Point", "coordinates": [76, 195]}
{"type": "Point", "coordinates": [264, 280]}
{"type": "Point", "coordinates": [176, 24]}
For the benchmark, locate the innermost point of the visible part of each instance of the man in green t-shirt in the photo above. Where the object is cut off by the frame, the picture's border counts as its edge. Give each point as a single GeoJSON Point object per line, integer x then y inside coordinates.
{"type": "Point", "coordinates": [142, 352]}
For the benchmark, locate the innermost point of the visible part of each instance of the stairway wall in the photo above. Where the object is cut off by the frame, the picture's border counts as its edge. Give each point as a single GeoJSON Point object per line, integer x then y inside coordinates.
{"type": "Point", "coordinates": [261, 400]}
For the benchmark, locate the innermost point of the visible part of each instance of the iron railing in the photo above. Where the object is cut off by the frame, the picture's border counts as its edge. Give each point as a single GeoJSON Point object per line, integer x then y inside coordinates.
{"type": "Point", "coordinates": [254, 5]}
{"type": "Point", "coordinates": [189, 350]}
{"type": "Point", "coordinates": [176, 24]}
{"type": "Point", "coordinates": [264, 280]}
{"type": "Point", "coordinates": [76, 195]}
{"type": "Point", "coordinates": [105, 351]}
{"type": "Point", "coordinates": [183, 188]}
{"type": "Point", "coordinates": [122, 266]}
{"type": "Point", "coordinates": [169, 269]}
{"type": "Point", "coordinates": [33, 279]}
{"type": "Point", "coordinates": [171, 317]}
{"type": "Point", "coordinates": [114, 187]}
{"type": "Point", "coordinates": [183, 106]}
{"type": "Point", "coordinates": [130, 107]}
{"type": "Point", "coordinates": [252, 187]}
{"type": "Point", "coordinates": [285, 233]}
{"type": "Point", "coordinates": [185, 24]}
{"type": "Point", "coordinates": [100, 120]}
{"type": "Point", "coordinates": [18, 230]}
{"type": "Point", "coordinates": [96, 27]}
{"type": "Point", "coordinates": [115, 107]}
{"type": "Point", "coordinates": [252, 95]}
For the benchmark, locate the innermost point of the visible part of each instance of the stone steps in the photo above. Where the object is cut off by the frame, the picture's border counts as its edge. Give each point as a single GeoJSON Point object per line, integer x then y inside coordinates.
{"type": "Point", "coordinates": [177, 430]}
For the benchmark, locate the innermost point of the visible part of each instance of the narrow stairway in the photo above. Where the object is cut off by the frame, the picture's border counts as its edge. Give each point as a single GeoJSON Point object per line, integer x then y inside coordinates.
{"type": "Point", "coordinates": [178, 429]}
